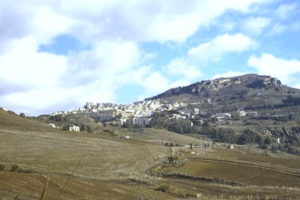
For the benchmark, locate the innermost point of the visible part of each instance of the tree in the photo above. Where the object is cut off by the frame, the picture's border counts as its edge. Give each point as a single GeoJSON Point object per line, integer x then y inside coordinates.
{"type": "Point", "coordinates": [205, 124]}
{"type": "Point", "coordinates": [22, 115]}
{"type": "Point", "coordinates": [243, 139]}
{"type": "Point", "coordinates": [268, 140]}
{"type": "Point", "coordinates": [83, 127]}
{"type": "Point", "coordinates": [66, 127]}
{"type": "Point", "coordinates": [89, 129]}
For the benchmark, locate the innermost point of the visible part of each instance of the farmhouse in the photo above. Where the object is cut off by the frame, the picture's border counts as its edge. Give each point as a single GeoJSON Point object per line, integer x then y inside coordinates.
{"type": "Point", "coordinates": [252, 113]}
{"type": "Point", "coordinates": [74, 128]}
{"type": "Point", "coordinates": [222, 116]}
{"type": "Point", "coordinates": [242, 113]}
{"type": "Point", "coordinates": [52, 125]}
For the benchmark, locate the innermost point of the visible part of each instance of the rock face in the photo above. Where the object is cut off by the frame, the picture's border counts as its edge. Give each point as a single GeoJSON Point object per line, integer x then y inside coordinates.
{"type": "Point", "coordinates": [249, 81]}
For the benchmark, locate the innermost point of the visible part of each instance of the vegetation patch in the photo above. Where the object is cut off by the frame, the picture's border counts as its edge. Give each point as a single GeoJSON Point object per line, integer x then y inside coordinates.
{"type": "Point", "coordinates": [174, 190]}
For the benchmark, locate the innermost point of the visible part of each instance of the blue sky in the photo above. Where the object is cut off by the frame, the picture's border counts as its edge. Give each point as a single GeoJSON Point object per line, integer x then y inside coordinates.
{"type": "Point", "coordinates": [59, 54]}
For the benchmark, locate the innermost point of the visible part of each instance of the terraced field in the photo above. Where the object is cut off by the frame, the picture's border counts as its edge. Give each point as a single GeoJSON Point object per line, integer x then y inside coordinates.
{"type": "Point", "coordinates": [234, 174]}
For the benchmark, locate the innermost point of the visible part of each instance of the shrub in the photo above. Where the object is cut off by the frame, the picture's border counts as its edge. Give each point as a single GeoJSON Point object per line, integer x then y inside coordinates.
{"type": "Point", "coordinates": [89, 129]}
{"type": "Point", "coordinates": [83, 127]}
{"type": "Point", "coordinates": [268, 140]}
{"type": "Point", "coordinates": [14, 168]}
{"type": "Point", "coordinates": [2, 167]}
{"type": "Point", "coordinates": [17, 168]}
{"type": "Point", "coordinates": [66, 127]}
{"type": "Point", "coordinates": [165, 188]}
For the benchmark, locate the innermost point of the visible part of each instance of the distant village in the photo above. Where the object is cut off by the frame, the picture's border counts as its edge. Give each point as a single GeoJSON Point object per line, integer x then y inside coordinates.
{"type": "Point", "coordinates": [140, 113]}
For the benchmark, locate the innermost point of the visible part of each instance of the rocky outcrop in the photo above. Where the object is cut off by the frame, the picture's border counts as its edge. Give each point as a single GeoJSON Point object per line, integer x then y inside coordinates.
{"type": "Point", "coordinates": [248, 81]}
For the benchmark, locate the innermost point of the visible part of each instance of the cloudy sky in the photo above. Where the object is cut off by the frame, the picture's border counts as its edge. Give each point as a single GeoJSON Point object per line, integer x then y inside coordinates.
{"type": "Point", "coordinates": [58, 54]}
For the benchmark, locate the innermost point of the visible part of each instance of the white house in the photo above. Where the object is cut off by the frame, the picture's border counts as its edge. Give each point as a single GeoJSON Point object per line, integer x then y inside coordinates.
{"type": "Point", "coordinates": [196, 111]}
{"type": "Point", "coordinates": [242, 113]}
{"type": "Point", "coordinates": [74, 128]}
{"type": "Point", "coordinates": [177, 116]}
{"type": "Point", "coordinates": [141, 121]}
{"type": "Point", "coordinates": [52, 125]}
{"type": "Point", "coordinates": [222, 116]}
{"type": "Point", "coordinates": [252, 113]}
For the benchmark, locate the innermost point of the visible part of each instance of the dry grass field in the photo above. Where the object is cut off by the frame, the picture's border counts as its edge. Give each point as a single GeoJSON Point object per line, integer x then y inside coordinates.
{"type": "Point", "coordinates": [240, 173]}
{"type": "Point", "coordinates": [38, 162]}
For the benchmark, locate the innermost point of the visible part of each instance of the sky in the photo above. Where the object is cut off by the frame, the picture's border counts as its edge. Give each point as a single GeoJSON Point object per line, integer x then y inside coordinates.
{"type": "Point", "coordinates": [59, 54]}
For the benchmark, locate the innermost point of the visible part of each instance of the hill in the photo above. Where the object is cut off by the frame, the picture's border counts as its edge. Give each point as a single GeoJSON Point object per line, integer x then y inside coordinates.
{"type": "Point", "coordinates": [10, 120]}
{"type": "Point", "coordinates": [241, 89]}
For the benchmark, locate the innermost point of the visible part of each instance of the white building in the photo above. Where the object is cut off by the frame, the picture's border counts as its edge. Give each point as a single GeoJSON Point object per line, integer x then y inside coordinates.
{"type": "Point", "coordinates": [106, 115]}
{"type": "Point", "coordinates": [74, 128]}
{"type": "Point", "coordinates": [141, 121]}
{"type": "Point", "coordinates": [52, 125]}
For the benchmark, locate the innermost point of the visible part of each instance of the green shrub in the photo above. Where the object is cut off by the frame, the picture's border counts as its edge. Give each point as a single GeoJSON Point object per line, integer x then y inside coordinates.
{"type": "Point", "coordinates": [165, 188]}
{"type": "Point", "coordinates": [2, 167]}
{"type": "Point", "coordinates": [14, 168]}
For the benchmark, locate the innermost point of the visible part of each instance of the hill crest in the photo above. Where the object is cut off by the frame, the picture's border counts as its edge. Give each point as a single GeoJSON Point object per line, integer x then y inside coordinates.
{"type": "Point", "coordinates": [253, 81]}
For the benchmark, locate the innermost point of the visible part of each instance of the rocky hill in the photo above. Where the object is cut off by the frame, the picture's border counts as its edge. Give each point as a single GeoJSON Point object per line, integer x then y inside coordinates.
{"type": "Point", "coordinates": [207, 87]}
{"type": "Point", "coordinates": [251, 91]}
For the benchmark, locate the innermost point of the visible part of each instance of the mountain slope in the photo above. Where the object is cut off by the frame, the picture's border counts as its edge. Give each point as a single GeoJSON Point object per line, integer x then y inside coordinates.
{"type": "Point", "coordinates": [10, 120]}
{"type": "Point", "coordinates": [249, 90]}
{"type": "Point", "coordinates": [205, 88]}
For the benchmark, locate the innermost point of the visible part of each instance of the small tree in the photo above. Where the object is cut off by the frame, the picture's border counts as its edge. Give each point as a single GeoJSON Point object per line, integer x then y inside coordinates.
{"type": "Point", "coordinates": [66, 127]}
{"type": "Point", "coordinates": [89, 129]}
{"type": "Point", "coordinates": [83, 127]}
{"type": "Point", "coordinates": [205, 124]}
{"type": "Point", "coordinates": [268, 140]}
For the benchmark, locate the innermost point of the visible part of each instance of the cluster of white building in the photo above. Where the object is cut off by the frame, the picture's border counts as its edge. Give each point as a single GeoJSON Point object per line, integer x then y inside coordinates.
{"type": "Point", "coordinates": [138, 113]}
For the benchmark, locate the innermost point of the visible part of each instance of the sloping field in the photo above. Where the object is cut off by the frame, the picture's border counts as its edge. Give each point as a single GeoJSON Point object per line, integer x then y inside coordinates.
{"type": "Point", "coordinates": [61, 152]}
{"type": "Point", "coordinates": [163, 136]}
{"type": "Point", "coordinates": [93, 167]}
{"type": "Point", "coordinates": [36, 160]}
{"type": "Point", "coordinates": [235, 174]}
{"type": "Point", "coordinates": [248, 175]}
{"type": "Point", "coordinates": [31, 186]}
{"type": "Point", "coordinates": [15, 122]}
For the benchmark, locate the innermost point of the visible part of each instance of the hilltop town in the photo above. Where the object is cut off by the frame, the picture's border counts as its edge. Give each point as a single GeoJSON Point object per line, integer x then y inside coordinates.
{"type": "Point", "coordinates": [206, 102]}
{"type": "Point", "coordinates": [137, 113]}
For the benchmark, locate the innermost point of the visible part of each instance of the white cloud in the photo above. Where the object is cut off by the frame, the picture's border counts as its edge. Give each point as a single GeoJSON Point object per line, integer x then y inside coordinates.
{"type": "Point", "coordinates": [180, 83]}
{"type": "Point", "coordinates": [181, 67]}
{"type": "Point", "coordinates": [22, 65]}
{"type": "Point", "coordinates": [286, 9]}
{"type": "Point", "coordinates": [215, 49]}
{"type": "Point", "coordinates": [154, 84]}
{"type": "Point", "coordinates": [41, 80]}
{"type": "Point", "coordinates": [255, 26]}
{"type": "Point", "coordinates": [113, 28]}
{"type": "Point", "coordinates": [268, 64]}
{"type": "Point", "coordinates": [296, 86]}
{"type": "Point", "coordinates": [277, 29]}
{"type": "Point", "coordinates": [228, 74]}
{"type": "Point", "coordinates": [228, 26]}
{"type": "Point", "coordinates": [131, 20]}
